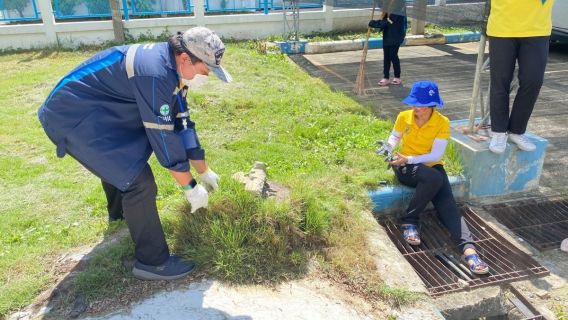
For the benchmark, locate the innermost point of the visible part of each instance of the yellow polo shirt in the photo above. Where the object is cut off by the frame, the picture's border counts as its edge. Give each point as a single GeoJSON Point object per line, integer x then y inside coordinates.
{"type": "Point", "coordinates": [520, 18]}
{"type": "Point", "coordinates": [418, 141]}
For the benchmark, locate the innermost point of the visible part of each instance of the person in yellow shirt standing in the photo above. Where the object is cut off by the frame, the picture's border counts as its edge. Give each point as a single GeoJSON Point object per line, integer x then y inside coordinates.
{"type": "Point", "coordinates": [518, 31]}
{"type": "Point", "coordinates": [425, 133]}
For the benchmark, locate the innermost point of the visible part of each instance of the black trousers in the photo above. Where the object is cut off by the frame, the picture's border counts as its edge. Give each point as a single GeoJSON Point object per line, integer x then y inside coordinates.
{"type": "Point", "coordinates": [138, 207]}
{"type": "Point", "coordinates": [432, 184]}
{"type": "Point", "coordinates": [531, 54]}
{"type": "Point", "coordinates": [390, 55]}
{"type": "Point", "coordinates": [141, 215]}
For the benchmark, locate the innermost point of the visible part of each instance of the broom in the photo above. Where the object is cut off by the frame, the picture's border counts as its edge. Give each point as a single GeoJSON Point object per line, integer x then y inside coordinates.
{"type": "Point", "coordinates": [360, 82]}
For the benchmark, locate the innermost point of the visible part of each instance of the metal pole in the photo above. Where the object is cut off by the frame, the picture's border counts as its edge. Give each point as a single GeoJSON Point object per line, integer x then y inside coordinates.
{"type": "Point", "coordinates": [284, 24]}
{"type": "Point", "coordinates": [476, 83]}
{"type": "Point", "coordinates": [297, 19]}
{"type": "Point", "coordinates": [478, 68]}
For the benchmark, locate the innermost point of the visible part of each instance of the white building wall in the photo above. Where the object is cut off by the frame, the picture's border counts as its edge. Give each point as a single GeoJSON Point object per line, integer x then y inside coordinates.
{"type": "Point", "coordinates": [237, 26]}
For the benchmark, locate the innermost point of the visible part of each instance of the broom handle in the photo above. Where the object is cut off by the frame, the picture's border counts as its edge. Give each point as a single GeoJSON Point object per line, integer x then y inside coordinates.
{"type": "Point", "coordinates": [368, 34]}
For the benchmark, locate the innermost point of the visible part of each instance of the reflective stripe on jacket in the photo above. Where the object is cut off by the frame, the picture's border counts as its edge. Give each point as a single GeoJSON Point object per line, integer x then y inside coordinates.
{"type": "Point", "coordinates": [115, 109]}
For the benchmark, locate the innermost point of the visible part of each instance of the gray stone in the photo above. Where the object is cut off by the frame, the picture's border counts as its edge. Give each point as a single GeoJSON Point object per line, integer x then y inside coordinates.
{"type": "Point", "coordinates": [20, 315]}
{"type": "Point", "coordinates": [542, 294]}
{"type": "Point", "coordinates": [254, 181]}
{"type": "Point", "coordinates": [43, 311]}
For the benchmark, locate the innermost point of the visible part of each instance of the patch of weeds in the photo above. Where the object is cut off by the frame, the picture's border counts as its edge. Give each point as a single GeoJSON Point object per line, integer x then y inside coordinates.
{"type": "Point", "coordinates": [559, 311]}
{"type": "Point", "coordinates": [395, 297]}
{"type": "Point", "coordinates": [241, 238]}
{"type": "Point", "coordinates": [451, 159]}
{"type": "Point", "coordinates": [438, 29]}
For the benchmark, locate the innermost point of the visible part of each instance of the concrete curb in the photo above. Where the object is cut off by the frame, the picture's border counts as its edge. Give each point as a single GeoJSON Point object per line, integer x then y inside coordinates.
{"type": "Point", "coordinates": [304, 46]}
{"type": "Point", "coordinates": [392, 200]}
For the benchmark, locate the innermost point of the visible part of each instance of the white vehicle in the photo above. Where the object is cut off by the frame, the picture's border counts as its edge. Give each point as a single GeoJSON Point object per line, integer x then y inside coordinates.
{"type": "Point", "coordinates": [560, 21]}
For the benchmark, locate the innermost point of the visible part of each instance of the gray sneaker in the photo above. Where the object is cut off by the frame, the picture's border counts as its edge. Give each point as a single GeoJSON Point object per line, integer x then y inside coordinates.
{"type": "Point", "coordinates": [498, 142]}
{"type": "Point", "coordinates": [522, 142]}
{"type": "Point", "coordinates": [173, 268]}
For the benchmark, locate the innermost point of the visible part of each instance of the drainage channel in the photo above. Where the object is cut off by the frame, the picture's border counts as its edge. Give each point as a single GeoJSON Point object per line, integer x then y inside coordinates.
{"type": "Point", "coordinates": [438, 263]}
{"type": "Point", "coordinates": [523, 305]}
{"type": "Point", "coordinates": [542, 223]}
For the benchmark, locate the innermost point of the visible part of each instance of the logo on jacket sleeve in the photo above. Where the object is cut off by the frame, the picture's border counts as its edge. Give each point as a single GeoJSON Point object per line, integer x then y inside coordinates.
{"type": "Point", "coordinates": [165, 110]}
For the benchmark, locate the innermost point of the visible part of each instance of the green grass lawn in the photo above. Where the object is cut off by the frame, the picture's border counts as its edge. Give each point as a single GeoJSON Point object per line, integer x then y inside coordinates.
{"type": "Point", "coordinates": [318, 142]}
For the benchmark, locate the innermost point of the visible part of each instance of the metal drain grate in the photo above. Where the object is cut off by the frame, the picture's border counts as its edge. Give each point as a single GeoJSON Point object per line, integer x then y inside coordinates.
{"type": "Point", "coordinates": [523, 305]}
{"type": "Point", "coordinates": [438, 263]}
{"type": "Point", "coordinates": [543, 223]}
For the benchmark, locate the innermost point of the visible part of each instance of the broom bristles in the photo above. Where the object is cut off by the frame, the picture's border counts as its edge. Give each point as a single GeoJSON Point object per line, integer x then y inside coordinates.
{"type": "Point", "coordinates": [360, 82]}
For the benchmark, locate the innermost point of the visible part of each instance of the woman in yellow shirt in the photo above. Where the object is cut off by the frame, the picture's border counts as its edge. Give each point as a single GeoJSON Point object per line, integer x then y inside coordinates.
{"type": "Point", "coordinates": [519, 32]}
{"type": "Point", "coordinates": [425, 133]}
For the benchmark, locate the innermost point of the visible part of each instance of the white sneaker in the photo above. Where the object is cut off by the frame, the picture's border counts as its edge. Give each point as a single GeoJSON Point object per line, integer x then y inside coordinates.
{"type": "Point", "coordinates": [498, 142]}
{"type": "Point", "coordinates": [522, 142]}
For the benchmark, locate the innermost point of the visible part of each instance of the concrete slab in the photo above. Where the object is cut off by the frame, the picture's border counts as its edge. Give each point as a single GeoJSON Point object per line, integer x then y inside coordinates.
{"type": "Point", "coordinates": [474, 304]}
{"type": "Point", "coordinates": [393, 200]}
{"type": "Point", "coordinates": [489, 174]}
{"type": "Point", "coordinates": [210, 300]}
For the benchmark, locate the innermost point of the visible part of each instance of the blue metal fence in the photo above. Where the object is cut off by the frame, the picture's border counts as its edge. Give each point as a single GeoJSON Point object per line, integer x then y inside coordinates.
{"type": "Point", "coordinates": [352, 3]}
{"type": "Point", "coordinates": [70, 9]}
{"type": "Point", "coordinates": [17, 10]}
{"type": "Point", "coordinates": [81, 8]}
{"type": "Point", "coordinates": [146, 7]}
{"type": "Point", "coordinates": [232, 5]}
{"type": "Point", "coordinates": [279, 4]}
{"type": "Point", "coordinates": [14, 10]}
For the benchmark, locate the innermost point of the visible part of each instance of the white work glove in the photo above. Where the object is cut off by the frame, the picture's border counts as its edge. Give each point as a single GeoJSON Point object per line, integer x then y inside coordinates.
{"type": "Point", "coordinates": [197, 197]}
{"type": "Point", "coordinates": [209, 179]}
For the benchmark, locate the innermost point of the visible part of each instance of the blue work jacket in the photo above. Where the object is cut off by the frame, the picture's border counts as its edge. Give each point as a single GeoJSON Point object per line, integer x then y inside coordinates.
{"type": "Point", "coordinates": [116, 108]}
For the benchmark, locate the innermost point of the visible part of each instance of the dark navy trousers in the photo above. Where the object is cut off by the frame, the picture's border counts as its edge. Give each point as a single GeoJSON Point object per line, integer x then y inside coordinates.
{"type": "Point", "coordinates": [432, 184]}
{"type": "Point", "coordinates": [390, 55]}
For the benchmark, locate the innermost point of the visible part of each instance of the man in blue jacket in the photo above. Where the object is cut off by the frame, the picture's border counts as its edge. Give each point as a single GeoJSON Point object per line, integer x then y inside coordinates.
{"type": "Point", "coordinates": [120, 106]}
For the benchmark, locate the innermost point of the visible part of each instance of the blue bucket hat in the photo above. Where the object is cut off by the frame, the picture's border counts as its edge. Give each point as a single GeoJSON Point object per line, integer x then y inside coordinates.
{"type": "Point", "coordinates": [424, 93]}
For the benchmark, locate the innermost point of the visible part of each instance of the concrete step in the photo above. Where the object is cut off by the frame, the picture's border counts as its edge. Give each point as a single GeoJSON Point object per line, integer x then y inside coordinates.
{"type": "Point", "coordinates": [393, 199]}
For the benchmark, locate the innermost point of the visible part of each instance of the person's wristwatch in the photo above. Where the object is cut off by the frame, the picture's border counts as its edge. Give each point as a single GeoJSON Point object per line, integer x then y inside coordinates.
{"type": "Point", "coordinates": [190, 186]}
